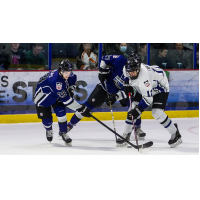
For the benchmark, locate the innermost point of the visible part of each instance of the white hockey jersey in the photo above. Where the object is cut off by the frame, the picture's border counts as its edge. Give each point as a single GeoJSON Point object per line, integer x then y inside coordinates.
{"type": "Point", "coordinates": [151, 81]}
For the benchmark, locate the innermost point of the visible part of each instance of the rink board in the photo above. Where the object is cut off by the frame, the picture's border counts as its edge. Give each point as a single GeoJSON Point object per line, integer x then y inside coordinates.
{"type": "Point", "coordinates": [17, 90]}
{"type": "Point", "coordinates": [25, 118]}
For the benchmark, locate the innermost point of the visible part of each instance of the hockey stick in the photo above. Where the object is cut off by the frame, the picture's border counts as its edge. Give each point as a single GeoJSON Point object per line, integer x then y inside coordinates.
{"type": "Point", "coordinates": [111, 110]}
{"type": "Point", "coordinates": [136, 139]}
{"type": "Point", "coordinates": [143, 146]}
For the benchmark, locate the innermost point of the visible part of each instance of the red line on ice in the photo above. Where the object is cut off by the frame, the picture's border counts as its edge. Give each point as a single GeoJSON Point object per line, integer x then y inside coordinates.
{"type": "Point", "coordinates": [190, 130]}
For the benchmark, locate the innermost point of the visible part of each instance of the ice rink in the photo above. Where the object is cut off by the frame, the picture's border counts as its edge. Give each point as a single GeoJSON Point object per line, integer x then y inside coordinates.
{"type": "Point", "coordinates": [91, 138]}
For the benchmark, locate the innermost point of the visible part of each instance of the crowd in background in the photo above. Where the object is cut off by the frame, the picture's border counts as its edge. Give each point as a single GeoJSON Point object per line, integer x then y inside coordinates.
{"type": "Point", "coordinates": [166, 56]}
{"type": "Point", "coordinates": [84, 56]}
{"type": "Point", "coordinates": [16, 56]}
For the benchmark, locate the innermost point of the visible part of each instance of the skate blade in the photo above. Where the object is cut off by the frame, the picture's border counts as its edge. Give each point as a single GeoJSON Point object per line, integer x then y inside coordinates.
{"type": "Point", "coordinates": [176, 144]}
{"type": "Point", "coordinates": [121, 145]}
{"type": "Point", "coordinates": [68, 144]}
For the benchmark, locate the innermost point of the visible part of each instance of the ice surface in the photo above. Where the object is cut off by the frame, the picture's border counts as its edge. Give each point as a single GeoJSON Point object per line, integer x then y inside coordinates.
{"type": "Point", "coordinates": [91, 138]}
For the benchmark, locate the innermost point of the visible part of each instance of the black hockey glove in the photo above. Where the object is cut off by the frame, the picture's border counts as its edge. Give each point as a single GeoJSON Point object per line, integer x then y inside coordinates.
{"type": "Point", "coordinates": [71, 93]}
{"type": "Point", "coordinates": [111, 99]}
{"type": "Point", "coordinates": [84, 111]}
{"type": "Point", "coordinates": [128, 89]}
{"type": "Point", "coordinates": [103, 75]}
{"type": "Point", "coordinates": [136, 112]}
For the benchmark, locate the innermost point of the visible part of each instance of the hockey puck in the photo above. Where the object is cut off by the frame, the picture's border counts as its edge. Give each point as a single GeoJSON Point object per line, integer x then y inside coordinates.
{"type": "Point", "coordinates": [129, 146]}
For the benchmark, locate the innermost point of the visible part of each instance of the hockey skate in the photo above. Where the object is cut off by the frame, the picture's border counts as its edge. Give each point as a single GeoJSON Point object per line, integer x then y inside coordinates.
{"type": "Point", "coordinates": [67, 139]}
{"type": "Point", "coordinates": [122, 143]}
{"type": "Point", "coordinates": [69, 128]}
{"type": "Point", "coordinates": [140, 134]}
{"type": "Point", "coordinates": [49, 135]}
{"type": "Point", "coordinates": [175, 138]}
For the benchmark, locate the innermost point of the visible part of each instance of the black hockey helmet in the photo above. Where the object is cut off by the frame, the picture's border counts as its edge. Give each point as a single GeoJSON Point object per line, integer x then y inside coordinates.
{"type": "Point", "coordinates": [133, 64]}
{"type": "Point", "coordinates": [65, 65]}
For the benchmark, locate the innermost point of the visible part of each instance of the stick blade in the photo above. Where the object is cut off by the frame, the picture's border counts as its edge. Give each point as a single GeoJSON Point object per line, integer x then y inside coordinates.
{"type": "Point", "coordinates": [146, 145]}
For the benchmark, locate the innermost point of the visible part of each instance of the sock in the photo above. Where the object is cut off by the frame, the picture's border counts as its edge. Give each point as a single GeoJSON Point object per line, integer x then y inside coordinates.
{"type": "Point", "coordinates": [47, 123]}
{"type": "Point", "coordinates": [63, 127]}
{"type": "Point", "coordinates": [164, 120]}
{"type": "Point", "coordinates": [138, 123]}
{"type": "Point", "coordinates": [128, 125]}
{"type": "Point", "coordinates": [89, 105]}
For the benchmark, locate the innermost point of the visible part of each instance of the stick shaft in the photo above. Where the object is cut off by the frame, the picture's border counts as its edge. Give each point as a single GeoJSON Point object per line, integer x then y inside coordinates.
{"type": "Point", "coordinates": [136, 147]}
{"type": "Point", "coordinates": [136, 139]}
{"type": "Point", "coordinates": [111, 110]}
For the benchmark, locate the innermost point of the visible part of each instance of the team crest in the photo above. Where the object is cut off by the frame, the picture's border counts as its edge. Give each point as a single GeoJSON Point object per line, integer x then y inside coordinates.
{"type": "Point", "coordinates": [147, 84]}
{"type": "Point", "coordinates": [58, 86]}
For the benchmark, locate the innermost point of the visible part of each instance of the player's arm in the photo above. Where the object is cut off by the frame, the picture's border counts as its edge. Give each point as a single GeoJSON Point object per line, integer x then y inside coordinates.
{"type": "Point", "coordinates": [103, 71]}
{"type": "Point", "coordinates": [72, 86]}
{"type": "Point", "coordinates": [70, 103]}
{"type": "Point", "coordinates": [146, 100]}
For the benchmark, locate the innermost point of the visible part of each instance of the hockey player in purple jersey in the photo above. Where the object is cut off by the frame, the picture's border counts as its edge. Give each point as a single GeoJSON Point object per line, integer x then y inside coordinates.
{"type": "Point", "coordinates": [111, 70]}
{"type": "Point", "coordinates": [56, 89]}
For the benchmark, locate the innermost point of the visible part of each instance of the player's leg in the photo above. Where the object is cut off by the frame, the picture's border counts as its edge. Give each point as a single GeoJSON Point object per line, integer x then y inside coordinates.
{"type": "Point", "coordinates": [60, 111]}
{"type": "Point", "coordinates": [159, 103]}
{"type": "Point", "coordinates": [135, 101]}
{"type": "Point", "coordinates": [44, 113]}
{"type": "Point", "coordinates": [96, 99]}
{"type": "Point", "coordinates": [129, 124]}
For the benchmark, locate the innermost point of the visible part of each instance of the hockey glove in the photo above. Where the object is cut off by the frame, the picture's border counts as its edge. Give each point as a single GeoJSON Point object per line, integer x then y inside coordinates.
{"type": "Point", "coordinates": [84, 111]}
{"type": "Point", "coordinates": [71, 93]}
{"type": "Point", "coordinates": [128, 88]}
{"type": "Point", "coordinates": [136, 112]}
{"type": "Point", "coordinates": [111, 99]}
{"type": "Point", "coordinates": [103, 75]}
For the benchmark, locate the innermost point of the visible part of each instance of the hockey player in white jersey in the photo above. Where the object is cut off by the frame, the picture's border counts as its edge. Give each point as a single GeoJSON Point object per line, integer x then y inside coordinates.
{"type": "Point", "coordinates": [151, 82]}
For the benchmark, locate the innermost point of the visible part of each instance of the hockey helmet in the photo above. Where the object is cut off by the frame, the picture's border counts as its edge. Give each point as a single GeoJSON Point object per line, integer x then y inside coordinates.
{"type": "Point", "coordinates": [133, 64]}
{"type": "Point", "coordinates": [65, 65]}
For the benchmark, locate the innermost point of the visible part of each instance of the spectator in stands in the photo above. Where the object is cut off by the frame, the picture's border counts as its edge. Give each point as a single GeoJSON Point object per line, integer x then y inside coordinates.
{"type": "Point", "coordinates": [197, 57]}
{"type": "Point", "coordinates": [18, 57]}
{"type": "Point", "coordinates": [161, 58]}
{"type": "Point", "coordinates": [88, 58]}
{"type": "Point", "coordinates": [179, 58]}
{"type": "Point", "coordinates": [35, 58]}
{"type": "Point", "coordinates": [1, 56]}
{"type": "Point", "coordinates": [5, 55]}
{"type": "Point", "coordinates": [143, 52]}
{"type": "Point", "coordinates": [123, 48]}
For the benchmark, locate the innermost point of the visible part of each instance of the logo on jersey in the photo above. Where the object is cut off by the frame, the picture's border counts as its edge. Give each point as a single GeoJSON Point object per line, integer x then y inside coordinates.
{"type": "Point", "coordinates": [115, 56]}
{"type": "Point", "coordinates": [146, 83]}
{"type": "Point", "coordinates": [119, 83]}
{"type": "Point", "coordinates": [62, 94]}
{"type": "Point", "coordinates": [58, 86]}
{"type": "Point", "coordinates": [107, 57]}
